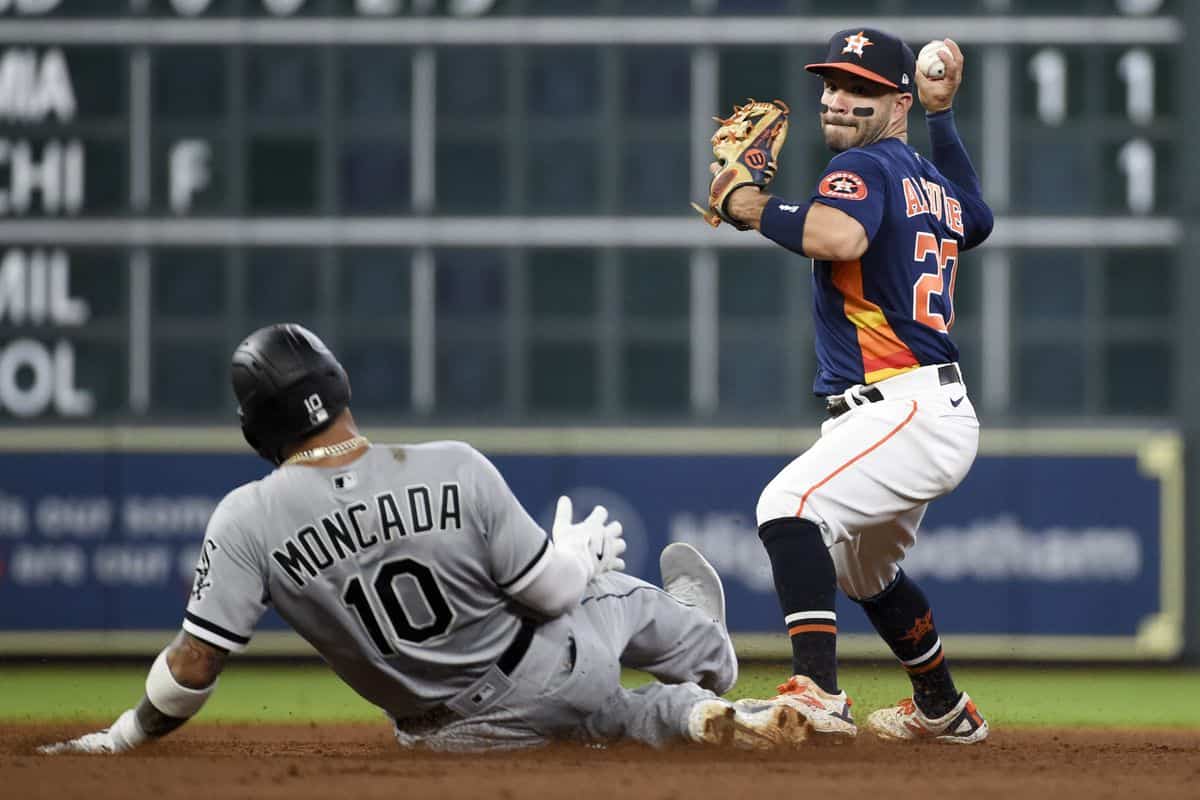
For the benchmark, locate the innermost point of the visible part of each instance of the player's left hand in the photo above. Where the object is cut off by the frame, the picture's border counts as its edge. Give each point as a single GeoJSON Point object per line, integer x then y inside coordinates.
{"type": "Point", "coordinates": [746, 148]}
{"type": "Point", "coordinates": [124, 734]}
{"type": "Point", "coordinates": [937, 94]}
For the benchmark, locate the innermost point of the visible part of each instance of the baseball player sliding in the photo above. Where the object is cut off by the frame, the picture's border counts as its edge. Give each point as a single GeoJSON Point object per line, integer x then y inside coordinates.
{"type": "Point", "coordinates": [884, 230]}
{"type": "Point", "coordinates": [420, 579]}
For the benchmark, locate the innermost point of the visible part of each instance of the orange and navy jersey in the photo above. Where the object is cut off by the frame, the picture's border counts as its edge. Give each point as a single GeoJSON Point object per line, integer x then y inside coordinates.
{"type": "Point", "coordinates": [891, 310]}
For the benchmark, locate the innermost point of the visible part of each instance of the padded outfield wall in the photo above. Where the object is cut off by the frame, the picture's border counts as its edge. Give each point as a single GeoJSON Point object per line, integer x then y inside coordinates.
{"type": "Point", "coordinates": [1060, 544]}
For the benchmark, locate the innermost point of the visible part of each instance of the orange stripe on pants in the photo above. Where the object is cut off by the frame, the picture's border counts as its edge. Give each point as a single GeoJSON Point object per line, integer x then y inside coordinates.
{"type": "Point", "coordinates": [834, 474]}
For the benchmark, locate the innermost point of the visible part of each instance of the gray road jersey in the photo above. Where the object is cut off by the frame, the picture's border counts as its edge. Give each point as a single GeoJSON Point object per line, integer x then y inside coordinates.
{"type": "Point", "coordinates": [397, 568]}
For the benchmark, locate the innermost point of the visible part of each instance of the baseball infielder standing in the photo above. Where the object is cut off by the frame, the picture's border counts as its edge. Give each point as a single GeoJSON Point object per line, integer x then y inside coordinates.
{"type": "Point", "coordinates": [884, 230]}
{"type": "Point", "coordinates": [420, 579]}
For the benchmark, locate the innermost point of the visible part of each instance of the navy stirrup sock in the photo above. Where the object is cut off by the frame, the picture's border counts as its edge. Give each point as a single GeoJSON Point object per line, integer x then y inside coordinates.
{"type": "Point", "coordinates": [902, 616]}
{"type": "Point", "coordinates": [806, 583]}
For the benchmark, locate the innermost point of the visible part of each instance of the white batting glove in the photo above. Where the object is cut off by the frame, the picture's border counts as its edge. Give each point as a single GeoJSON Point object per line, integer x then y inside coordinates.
{"type": "Point", "coordinates": [597, 541]}
{"type": "Point", "coordinates": [124, 734]}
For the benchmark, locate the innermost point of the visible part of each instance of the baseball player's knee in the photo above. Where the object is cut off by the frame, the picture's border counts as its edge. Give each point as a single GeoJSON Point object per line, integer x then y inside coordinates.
{"type": "Point", "coordinates": [774, 503]}
{"type": "Point", "coordinates": [719, 680]}
{"type": "Point", "coordinates": [727, 671]}
{"type": "Point", "coordinates": [864, 586]}
{"type": "Point", "coordinates": [722, 668]}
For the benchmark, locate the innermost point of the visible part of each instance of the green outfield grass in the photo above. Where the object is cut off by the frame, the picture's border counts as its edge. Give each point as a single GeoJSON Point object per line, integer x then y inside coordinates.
{"type": "Point", "coordinates": [1012, 696]}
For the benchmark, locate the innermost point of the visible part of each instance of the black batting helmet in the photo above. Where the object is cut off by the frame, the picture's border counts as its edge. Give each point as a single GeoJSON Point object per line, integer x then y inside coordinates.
{"type": "Point", "coordinates": [288, 386]}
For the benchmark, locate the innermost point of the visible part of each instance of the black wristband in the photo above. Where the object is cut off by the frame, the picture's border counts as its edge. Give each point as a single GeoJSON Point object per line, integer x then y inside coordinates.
{"type": "Point", "coordinates": [783, 223]}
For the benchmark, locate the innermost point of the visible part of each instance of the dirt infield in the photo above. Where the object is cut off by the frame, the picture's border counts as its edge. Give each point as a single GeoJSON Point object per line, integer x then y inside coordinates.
{"type": "Point", "coordinates": [347, 762]}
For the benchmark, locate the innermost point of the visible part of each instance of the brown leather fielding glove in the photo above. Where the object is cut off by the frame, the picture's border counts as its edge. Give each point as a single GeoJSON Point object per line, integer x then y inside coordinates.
{"type": "Point", "coordinates": [746, 147]}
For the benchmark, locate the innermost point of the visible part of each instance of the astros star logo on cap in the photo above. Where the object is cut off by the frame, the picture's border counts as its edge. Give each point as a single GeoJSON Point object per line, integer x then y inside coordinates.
{"type": "Point", "coordinates": [856, 43]}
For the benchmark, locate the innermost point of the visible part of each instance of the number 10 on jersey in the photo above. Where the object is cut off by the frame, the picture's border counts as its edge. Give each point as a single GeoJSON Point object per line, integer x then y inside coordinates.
{"type": "Point", "coordinates": [423, 587]}
{"type": "Point", "coordinates": [945, 254]}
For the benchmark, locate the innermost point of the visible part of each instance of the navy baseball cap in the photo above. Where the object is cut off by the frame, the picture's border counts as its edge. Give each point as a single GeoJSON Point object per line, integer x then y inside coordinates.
{"type": "Point", "coordinates": [872, 54]}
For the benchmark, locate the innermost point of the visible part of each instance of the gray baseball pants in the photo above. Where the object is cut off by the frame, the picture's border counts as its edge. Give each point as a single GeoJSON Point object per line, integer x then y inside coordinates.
{"type": "Point", "coordinates": [567, 686]}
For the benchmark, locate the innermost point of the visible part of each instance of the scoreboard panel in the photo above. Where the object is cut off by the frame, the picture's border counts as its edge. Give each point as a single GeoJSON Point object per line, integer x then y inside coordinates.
{"type": "Point", "coordinates": [481, 204]}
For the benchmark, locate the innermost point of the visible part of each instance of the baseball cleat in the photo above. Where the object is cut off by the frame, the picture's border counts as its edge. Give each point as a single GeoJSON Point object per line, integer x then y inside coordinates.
{"type": "Point", "coordinates": [712, 722]}
{"type": "Point", "coordinates": [904, 722]}
{"type": "Point", "coordinates": [826, 715]}
{"type": "Point", "coordinates": [690, 579]}
{"type": "Point", "coordinates": [770, 727]}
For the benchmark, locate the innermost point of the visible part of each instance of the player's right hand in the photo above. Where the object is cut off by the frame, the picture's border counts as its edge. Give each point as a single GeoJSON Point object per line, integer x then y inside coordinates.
{"type": "Point", "coordinates": [100, 742]}
{"type": "Point", "coordinates": [124, 734]}
{"type": "Point", "coordinates": [596, 538]}
{"type": "Point", "coordinates": [937, 94]}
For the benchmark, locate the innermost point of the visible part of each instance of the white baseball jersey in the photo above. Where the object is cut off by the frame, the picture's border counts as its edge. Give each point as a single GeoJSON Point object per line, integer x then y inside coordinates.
{"type": "Point", "coordinates": [397, 568]}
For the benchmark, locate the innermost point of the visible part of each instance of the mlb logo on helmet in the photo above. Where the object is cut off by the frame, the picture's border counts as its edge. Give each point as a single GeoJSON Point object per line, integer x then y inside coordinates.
{"type": "Point", "coordinates": [872, 54]}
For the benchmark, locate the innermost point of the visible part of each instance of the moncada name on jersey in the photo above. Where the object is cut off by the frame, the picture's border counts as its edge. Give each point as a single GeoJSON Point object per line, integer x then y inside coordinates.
{"type": "Point", "coordinates": [341, 533]}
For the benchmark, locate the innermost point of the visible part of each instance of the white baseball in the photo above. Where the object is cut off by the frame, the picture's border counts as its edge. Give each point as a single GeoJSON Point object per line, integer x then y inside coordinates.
{"type": "Point", "coordinates": [928, 60]}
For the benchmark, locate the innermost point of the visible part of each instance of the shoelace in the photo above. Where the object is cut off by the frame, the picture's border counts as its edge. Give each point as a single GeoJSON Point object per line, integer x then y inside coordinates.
{"type": "Point", "coordinates": [908, 707]}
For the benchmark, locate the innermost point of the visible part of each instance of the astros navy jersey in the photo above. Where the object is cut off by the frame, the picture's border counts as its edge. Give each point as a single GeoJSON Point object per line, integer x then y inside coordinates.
{"type": "Point", "coordinates": [891, 310]}
{"type": "Point", "coordinates": [396, 567]}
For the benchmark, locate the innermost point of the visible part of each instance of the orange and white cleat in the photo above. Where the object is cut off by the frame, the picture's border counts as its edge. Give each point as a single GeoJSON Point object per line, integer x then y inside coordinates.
{"type": "Point", "coordinates": [826, 714]}
{"type": "Point", "coordinates": [904, 722]}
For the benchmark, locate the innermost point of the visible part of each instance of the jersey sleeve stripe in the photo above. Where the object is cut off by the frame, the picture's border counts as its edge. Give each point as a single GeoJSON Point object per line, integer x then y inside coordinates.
{"type": "Point", "coordinates": [213, 633]}
{"type": "Point", "coordinates": [511, 586]}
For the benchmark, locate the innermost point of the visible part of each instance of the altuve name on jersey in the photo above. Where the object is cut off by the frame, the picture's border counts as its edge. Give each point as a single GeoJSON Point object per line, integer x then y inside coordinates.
{"type": "Point", "coordinates": [923, 196]}
{"type": "Point", "coordinates": [344, 532]}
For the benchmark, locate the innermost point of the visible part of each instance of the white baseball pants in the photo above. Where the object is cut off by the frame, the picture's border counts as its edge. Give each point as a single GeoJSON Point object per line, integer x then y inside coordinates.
{"type": "Point", "coordinates": [866, 482]}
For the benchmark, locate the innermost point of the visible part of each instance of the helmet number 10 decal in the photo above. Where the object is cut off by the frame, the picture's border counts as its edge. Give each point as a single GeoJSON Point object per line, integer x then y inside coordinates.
{"type": "Point", "coordinates": [930, 284]}
{"type": "Point", "coordinates": [316, 409]}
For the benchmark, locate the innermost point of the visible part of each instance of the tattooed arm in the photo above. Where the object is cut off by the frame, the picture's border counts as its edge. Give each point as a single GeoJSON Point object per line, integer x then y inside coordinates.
{"type": "Point", "coordinates": [181, 679]}
{"type": "Point", "coordinates": [194, 665]}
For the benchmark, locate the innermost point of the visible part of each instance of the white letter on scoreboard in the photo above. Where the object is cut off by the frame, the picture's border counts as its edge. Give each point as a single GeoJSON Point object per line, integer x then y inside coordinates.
{"type": "Point", "coordinates": [1048, 68]}
{"type": "Point", "coordinates": [58, 176]}
{"type": "Point", "coordinates": [51, 377]}
{"type": "Point", "coordinates": [35, 289]}
{"type": "Point", "coordinates": [26, 355]}
{"type": "Point", "coordinates": [377, 8]}
{"type": "Point", "coordinates": [283, 8]}
{"type": "Point", "coordinates": [69, 400]}
{"type": "Point", "coordinates": [190, 8]}
{"type": "Point", "coordinates": [189, 172]}
{"type": "Point", "coordinates": [29, 7]}
{"type": "Point", "coordinates": [1136, 68]}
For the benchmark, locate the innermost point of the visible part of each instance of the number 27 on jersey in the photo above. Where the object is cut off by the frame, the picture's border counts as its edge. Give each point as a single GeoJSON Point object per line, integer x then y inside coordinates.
{"type": "Point", "coordinates": [933, 284]}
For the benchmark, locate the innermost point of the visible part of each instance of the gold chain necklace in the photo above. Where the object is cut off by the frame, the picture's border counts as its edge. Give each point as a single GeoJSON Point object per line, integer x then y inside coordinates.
{"type": "Point", "coordinates": [328, 450]}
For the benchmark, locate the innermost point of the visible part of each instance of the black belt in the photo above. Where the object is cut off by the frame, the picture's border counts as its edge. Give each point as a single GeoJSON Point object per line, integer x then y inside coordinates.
{"type": "Point", "coordinates": [512, 656]}
{"type": "Point", "coordinates": [836, 406]}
